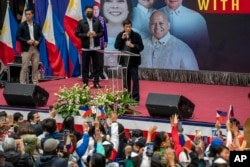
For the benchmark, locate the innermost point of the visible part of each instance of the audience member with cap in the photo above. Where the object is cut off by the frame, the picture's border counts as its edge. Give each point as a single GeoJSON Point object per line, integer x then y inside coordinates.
{"type": "Point", "coordinates": [212, 150]}
{"type": "Point", "coordinates": [50, 157]}
{"type": "Point", "coordinates": [142, 154]}
{"type": "Point", "coordinates": [134, 150]}
{"type": "Point", "coordinates": [139, 144]}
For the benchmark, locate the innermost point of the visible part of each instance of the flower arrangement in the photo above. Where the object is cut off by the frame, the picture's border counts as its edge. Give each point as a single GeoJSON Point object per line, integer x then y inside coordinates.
{"type": "Point", "coordinates": [79, 100]}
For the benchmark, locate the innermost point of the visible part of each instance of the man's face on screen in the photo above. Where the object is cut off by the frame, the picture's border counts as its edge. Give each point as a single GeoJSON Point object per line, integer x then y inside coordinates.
{"type": "Point", "coordinates": [159, 25]}
{"type": "Point", "coordinates": [146, 3]}
{"type": "Point", "coordinates": [173, 4]}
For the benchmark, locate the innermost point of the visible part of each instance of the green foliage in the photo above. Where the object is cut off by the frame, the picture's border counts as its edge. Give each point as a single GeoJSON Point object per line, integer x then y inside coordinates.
{"type": "Point", "coordinates": [70, 99]}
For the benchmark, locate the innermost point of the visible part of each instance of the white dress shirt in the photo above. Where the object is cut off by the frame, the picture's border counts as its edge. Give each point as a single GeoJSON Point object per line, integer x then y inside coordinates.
{"type": "Point", "coordinates": [91, 42]}
{"type": "Point", "coordinates": [140, 20]}
{"type": "Point", "coordinates": [31, 30]}
{"type": "Point", "coordinates": [168, 53]}
{"type": "Point", "coordinates": [189, 26]}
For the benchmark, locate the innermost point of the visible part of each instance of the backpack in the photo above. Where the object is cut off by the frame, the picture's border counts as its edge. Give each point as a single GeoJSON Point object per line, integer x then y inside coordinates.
{"type": "Point", "coordinates": [25, 160]}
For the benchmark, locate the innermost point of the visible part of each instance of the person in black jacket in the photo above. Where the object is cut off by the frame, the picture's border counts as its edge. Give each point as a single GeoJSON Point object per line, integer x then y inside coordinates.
{"type": "Point", "coordinates": [16, 158]}
{"type": "Point", "coordinates": [50, 157]}
{"type": "Point", "coordinates": [90, 31]}
{"type": "Point", "coordinates": [131, 41]}
{"type": "Point", "coordinates": [29, 34]}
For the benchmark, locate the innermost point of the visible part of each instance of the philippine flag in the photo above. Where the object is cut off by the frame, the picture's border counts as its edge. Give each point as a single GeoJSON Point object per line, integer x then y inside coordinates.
{"type": "Point", "coordinates": [101, 113]}
{"type": "Point", "coordinates": [72, 16]}
{"type": "Point", "coordinates": [8, 38]}
{"type": "Point", "coordinates": [221, 115]}
{"type": "Point", "coordinates": [185, 141]}
{"type": "Point", "coordinates": [25, 7]}
{"type": "Point", "coordinates": [18, 44]}
{"type": "Point", "coordinates": [56, 44]}
{"type": "Point", "coordinates": [85, 111]}
{"type": "Point", "coordinates": [74, 55]}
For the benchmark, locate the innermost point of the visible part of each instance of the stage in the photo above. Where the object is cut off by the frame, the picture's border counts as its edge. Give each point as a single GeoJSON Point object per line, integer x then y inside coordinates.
{"type": "Point", "coordinates": [207, 99]}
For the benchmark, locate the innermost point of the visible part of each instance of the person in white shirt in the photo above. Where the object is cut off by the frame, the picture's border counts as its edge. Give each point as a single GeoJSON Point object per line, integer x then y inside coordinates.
{"type": "Point", "coordinates": [189, 26]}
{"type": "Point", "coordinates": [140, 17]}
{"type": "Point", "coordinates": [164, 51]}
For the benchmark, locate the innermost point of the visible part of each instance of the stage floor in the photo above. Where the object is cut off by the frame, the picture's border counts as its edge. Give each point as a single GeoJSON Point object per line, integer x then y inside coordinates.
{"type": "Point", "coordinates": [207, 98]}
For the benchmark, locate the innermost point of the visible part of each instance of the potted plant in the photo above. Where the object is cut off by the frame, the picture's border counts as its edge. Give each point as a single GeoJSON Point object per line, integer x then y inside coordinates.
{"type": "Point", "coordinates": [70, 99]}
{"type": "Point", "coordinates": [78, 100]}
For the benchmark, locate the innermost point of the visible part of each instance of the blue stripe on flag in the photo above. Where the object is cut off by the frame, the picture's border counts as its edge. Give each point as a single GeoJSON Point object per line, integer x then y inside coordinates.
{"type": "Point", "coordinates": [222, 113]}
{"type": "Point", "coordinates": [44, 57]}
{"type": "Point", "coordinates": [13, 28]}
{"type": "Point", "coordinates": [61, 42]}
{"type": "Point", "coordinates": [73, 54]}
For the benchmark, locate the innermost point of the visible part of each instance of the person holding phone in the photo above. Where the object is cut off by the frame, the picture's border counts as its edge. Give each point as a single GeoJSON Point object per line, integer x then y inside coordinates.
{"type": "Point", "coordinates": [147, 154]}
{"type": "Point", "coordinates": [68, 127]}
{"type": "Point", "coordinates": [182, 155]}
{"type": "Point", "coordinates": [50, 157]}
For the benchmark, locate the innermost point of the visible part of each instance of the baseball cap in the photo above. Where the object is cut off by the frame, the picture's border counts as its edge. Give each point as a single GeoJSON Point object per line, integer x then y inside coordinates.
{"type": "Point", "coordinates": [50, 145]}
{"type": "Point", "coordinates": [216, 142]}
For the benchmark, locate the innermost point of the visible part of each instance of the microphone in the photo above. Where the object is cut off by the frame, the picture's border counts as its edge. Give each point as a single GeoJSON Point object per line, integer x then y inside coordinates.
{"type": "Point", "coordinates": [127, 37]}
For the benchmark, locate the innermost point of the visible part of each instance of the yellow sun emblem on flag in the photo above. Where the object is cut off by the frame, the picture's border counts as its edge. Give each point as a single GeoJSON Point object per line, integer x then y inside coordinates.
{"type": "Point", "coordinates": [4, 30]}
{"type": "Point", "coordinates": [3, 34]}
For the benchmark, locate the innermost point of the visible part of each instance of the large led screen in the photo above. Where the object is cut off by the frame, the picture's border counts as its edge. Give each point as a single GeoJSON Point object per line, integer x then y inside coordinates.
{"type": "Point", "coordinates": [209, 35]}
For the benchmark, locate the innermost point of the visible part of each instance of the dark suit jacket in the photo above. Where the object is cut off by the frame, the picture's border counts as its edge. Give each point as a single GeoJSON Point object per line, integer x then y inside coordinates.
{"type": "Point", "coordinates": [23, 35]}
{"type": "Point", "coordinates": [136, 39]}
{"type": "Point", "coordinates": [83, 28]}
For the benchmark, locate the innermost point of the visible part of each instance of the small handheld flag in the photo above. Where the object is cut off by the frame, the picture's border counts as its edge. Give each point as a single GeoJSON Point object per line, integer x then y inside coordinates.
{"type": "Point", "coordinates": [221, 115]}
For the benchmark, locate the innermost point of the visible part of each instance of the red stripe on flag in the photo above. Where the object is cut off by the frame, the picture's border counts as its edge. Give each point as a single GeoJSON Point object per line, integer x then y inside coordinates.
{"type": "Point", "coordinates": [71, 67]}
{"type": "Point", "coordinates": [18, 47]}
{"type": "Point", "coordinates": [55, 60]}
{"type": "Point", "coordinates": [7, 53]}
{"type": "Point", "coordinates": [87, 113]}
{"type": "Point", "coordinates": [70, 25]}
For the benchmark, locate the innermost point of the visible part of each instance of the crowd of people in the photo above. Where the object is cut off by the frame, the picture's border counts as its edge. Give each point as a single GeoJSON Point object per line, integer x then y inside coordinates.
{"type": "Point", "coordinates": [103, 143]}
